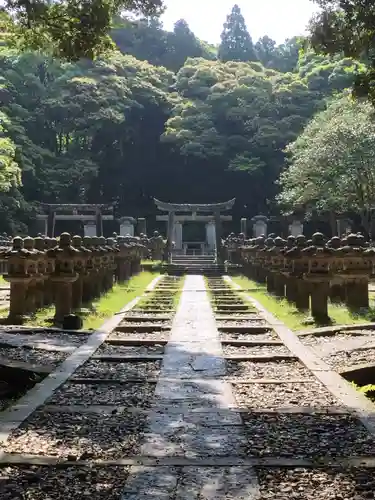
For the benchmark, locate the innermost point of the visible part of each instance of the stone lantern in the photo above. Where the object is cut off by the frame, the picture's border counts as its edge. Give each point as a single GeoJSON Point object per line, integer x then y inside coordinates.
{"type": "Point", "coordinates": [145, 242]}
{"type": "Point", "coordinates": [113, 251]}
{"type": "Point", "coordinates": [319, 274]}
{"type": "Point", "coordinates": [90, 274]}
{"type": "Point", "coordinates": [296, 264]}
{"type": "Point", "coordinates": [39, 246]}
{"type": "Point", "coordinates": [105, 264]}
{"type": "Point", "coordinates": [98, 261]}
{"type": "Point", "coordinates": [157, 245]}
{"type": "Point", "coordinates": [337, 291]}
{"type": "Point", "coordinates": [34, 298]}
{"type": "Point", "coordinates": [355, 270]}
{"type": "Point", "coordinates": [80, 268]}
{"type": "Point", "coordinates": [259, 257]}
{"type": "Point", "coordinates": [276, 266]}
{"type": "Point", "coordinates": [49, 287]}
{"type": "Point", "coordinates": [123, 260]}
{"type": "Point", "coordinates": [18, 259]}
{"type": "Point", "coordinates": [64, 275]}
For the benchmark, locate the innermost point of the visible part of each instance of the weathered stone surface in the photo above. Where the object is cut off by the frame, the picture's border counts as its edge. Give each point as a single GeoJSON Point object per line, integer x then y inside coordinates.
{"type": "Point", "coordinates": [202, 423]}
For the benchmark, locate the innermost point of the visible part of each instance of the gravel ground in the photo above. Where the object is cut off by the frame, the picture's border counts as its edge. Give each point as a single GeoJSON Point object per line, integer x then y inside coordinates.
{"type": "Point", "coordinates": [233, 309]}
{"type": "Point", "coordinates": [148, 324]}
{"type": "Point", "coordinates": [316, 484]}
{"type": "Point", "coordinates": [158, 305]}
{"type": "Point", "coordinates": [342, 359]}
{"type": "Point", "coordinates": [283, 395]}
{"type": "Point", "coordinates": [61, 339]}
{"type": "Point", "coordinates": [130, 349]}
{"type": "Point", "coordinates": [78, 436]}
{"type": "Point", "coordinates": [154, 309]}
{"type": "Point", "coordinates": [239, 322]}
{"type": "Point", "coordinates": [73, 483]}
{"type": "Point", "coordinates": [132, 394]}
{"type": "Point", "coordinates": [119, 371]}
{"type": "Point", "coordinates": [144, 335]}
{"type": "Point", "coordinates": [306, 436]}
{"type": "Point", "coordinates": [341, 339]}
{"type": "Point", "coordinates": [249, 336]}
{"type": "Point", "coordinates": [230, 302]}
{"type": "Point", "coordinates": [269, 370]}
{"type": "Point", "coordinates": [267, 350]}
{"type": "Point", "coordinates": [35, 356]}
{"type": "Point", "coordinates": [251, 316]}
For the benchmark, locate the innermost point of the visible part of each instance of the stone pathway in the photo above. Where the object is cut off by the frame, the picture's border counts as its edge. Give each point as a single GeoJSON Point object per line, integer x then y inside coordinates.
{"type": "Point", "coordinates": [193, 416]}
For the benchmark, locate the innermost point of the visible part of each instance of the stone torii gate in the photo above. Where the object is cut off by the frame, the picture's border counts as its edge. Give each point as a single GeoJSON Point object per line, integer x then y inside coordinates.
{"type": "Point", "coordinates": [91, 213]}
{"type": "Point", "coordinates": [214, 209]}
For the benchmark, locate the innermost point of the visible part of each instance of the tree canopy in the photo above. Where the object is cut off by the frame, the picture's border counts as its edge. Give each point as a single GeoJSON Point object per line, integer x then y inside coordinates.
{"type": "Point", "coordinates": [74, 29]}
{"type": "Point", "coordinates": [332, 162]}
{"type": "Point", "coordinates": [236, 43]}
{"type": "Point", "coordinates": [160, 115]}
{"type": "Point", "coordinates": [347, 27]}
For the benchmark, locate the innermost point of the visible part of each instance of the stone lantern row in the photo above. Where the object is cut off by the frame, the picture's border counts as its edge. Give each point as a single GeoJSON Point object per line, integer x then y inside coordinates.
{"type": "Point", "coordinates": [310, 272]}
{"type": "Point", "coordinates": [66, 272]}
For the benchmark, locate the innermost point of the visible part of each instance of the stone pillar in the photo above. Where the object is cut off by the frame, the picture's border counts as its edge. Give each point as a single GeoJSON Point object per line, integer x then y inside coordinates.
{"type": "Point", "coordinates": [357, 294]}
{"type": "Point", "coordinates": [17, 304]}
{"type": "Point", "coordinates": [99, 222]}
{"type": "Point", "coordinates": [43, 225]}
{"type": "Point", "coordinates": [170, 235]}
{"type": "Point", "coordinates": [141, 226]}
{"type": "Point", "coordinates": [337, 293]}
{"type": "Point", "coordinates": [127, 226]}
{"type": "Point", "coordinates": [270, 282]}
{"type": "Point", "coordinates": [303, 295]}
{"type": "Point", "coordinates": [279, 284]}
{"type": "Point", "coordinates": [80, 264]}
{"type": "Point", "coordinates": [177, 238]}
{"type": "Point", "coordinates": [211, 235]}
{"type": "Point", "coordinates": [89, 229]}
{"type": "Point", "coordinates": [291, 290]}
{"type": "Point", "coordinates": [63, 276]}
{"type": "Point", "coordinates": [259, 228]}
{"type": "Point", "coordinates": [219, 252]}
{"type": "Point", "coordinates": [51, 223]}
{"type": "Point", "coordinates": [343, 226]}
{"type": "Point", "coordinates": [319, 301]}
{"type": "Point", "coordinates": [18, 277]}
{"type": "Point", "coordinates": [244, 226]}
{"type": "Point", "coordinates": [296, 228]}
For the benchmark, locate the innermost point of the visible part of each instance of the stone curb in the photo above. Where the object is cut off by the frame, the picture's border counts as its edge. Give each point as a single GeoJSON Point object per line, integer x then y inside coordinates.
{"type": "Point", "coordinates": [216, 462]}
{"type": "Point", "coordinates": [331, 330]}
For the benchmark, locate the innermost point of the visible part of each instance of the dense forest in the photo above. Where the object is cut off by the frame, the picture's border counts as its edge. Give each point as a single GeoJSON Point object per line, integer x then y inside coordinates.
{"type": "Point", "coordinates": [167, 115]}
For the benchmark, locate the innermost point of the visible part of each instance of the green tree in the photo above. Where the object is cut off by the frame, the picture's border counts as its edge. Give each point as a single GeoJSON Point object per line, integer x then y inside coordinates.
{"type": "Point", "coordinates": [266, 51]}
{"type": "Point", "coordinates": [332, 163]}
{"type": "Point", "coordinates": [142, 38]}
{"type": "Point", "coordinates": [146, 40]}
{"type": "Point", "coordinates": [236, 43]}
{"type": "Point", "coordinates": [182, 44]}
{"type": "Point", "coordinates": [72, 29]}
{"type": "Point", "coordinates": [9, 170]}
{"type": "Point", "coordinates": [237, 118]}
{"type": "Point", "coordinates": [348, 27]}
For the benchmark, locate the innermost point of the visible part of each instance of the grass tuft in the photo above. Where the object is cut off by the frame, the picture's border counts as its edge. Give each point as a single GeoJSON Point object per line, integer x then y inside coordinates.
{"type": "Point", "coordinates": [289, 314]}
{"type": "Point", "coordinates": [105, 307]}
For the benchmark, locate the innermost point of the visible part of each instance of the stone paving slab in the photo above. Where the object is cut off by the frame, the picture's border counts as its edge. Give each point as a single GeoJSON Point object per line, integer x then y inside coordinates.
{"type": "Point", "coordinates": [192, 378]}
{"type": "Point", "coordinates": [191, 483]}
